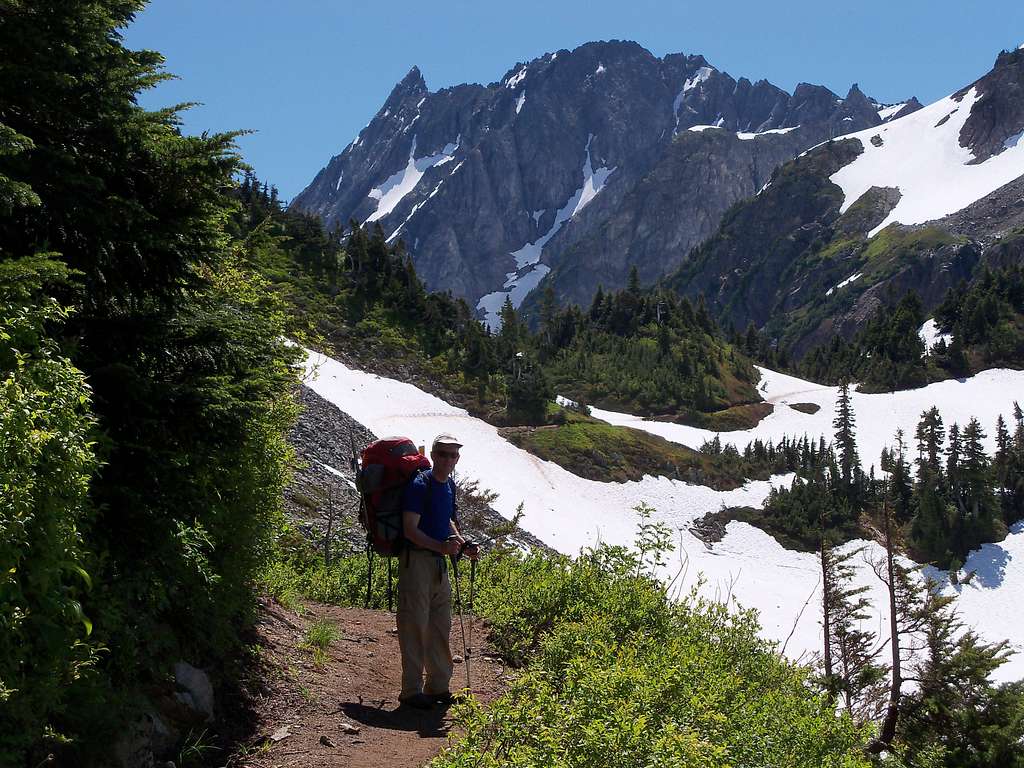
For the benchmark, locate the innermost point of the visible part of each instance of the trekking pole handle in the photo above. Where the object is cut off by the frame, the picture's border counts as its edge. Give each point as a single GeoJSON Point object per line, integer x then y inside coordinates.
{"type": "Point", "coordinates": [464, 546]}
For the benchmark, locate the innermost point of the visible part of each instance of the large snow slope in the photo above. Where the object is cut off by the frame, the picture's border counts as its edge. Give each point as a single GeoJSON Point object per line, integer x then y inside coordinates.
{"type": "Point", "coordinates": [921, 155]}
{"type": "Point", "coordinates": [568, 512]}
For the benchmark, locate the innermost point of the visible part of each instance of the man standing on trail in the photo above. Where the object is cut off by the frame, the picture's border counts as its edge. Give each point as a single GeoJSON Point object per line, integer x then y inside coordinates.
{"type": "Point", "coordinates": [429, 521]}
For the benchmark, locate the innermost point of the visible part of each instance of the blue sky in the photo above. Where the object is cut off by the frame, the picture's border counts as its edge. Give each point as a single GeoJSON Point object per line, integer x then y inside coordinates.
{"type": "Point", "coordinates": [307, 75]}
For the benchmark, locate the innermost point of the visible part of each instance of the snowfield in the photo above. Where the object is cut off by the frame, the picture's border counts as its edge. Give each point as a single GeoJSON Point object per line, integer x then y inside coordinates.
{"type": "Point", "coordinates": [922, 157]}
{"type": "Point", "coordinates": [748, 566]}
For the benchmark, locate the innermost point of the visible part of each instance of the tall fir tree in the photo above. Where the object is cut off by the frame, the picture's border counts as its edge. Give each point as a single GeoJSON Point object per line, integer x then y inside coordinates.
{"type": "Point", "coordinates": [846, 443]}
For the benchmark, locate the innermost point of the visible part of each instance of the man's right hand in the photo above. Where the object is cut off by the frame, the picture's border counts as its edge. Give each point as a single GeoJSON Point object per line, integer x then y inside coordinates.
{"type": "Point", "coordinates": [451, 547]}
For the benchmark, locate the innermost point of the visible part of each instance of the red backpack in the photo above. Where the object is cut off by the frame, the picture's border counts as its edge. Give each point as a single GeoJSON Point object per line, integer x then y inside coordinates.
{"type": "Point", "coordinates": [387, 466]}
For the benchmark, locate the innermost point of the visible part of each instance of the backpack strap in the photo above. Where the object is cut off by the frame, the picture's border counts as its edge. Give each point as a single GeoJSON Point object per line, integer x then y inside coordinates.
{"type": "Point", "coordinates": [428, 480]}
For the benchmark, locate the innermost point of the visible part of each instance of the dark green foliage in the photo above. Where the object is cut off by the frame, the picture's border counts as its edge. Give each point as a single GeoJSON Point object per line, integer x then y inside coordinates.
{"type": "Point", "coordinates": [853, 672]}
{"type": "Point", "coordinates": [957, 713]}
{"type": "Point", "coordinates": [968, 498]}
{"type": "Point", "coordinates": [886, 354]}
{"type": "Point", "coordinates": [795, 513]}
{"type": "Point", "coordinates": [986, 319]}
{"type": "Point", "coordinates": [182, 348]}
{"type": "Point", "coordinates": [643, 350]}
{"type": "Point", "coordinates": [959, 499]}
{"type": "Point", "coordinates": [846, 446]}
{"type": "Point", "coordinates": [651, 352]}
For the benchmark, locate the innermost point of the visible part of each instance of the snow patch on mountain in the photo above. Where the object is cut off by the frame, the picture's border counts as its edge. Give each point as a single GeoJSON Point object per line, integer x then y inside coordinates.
{"type": "Point", "coordinates": [748, 136]}
{"type": "Point", "coordinates": [692, 82]}
{"type": "Point", "coordinates": [698, 77]}
{"type": "Point", "coordinates": [519, 283]}
{"type": "Point", "coordinates": [748, 566]}
{"type": "Point", "coordinates": [516, 79]}
{"type": "Point", "coordinates": [520, 101]}
{"type": "Point", "coordinates": [930, 334]}
{"type": "Point", "coordinates": [922, 157]}
{"type": "Point", "coordinates": [886, 112]}
{"type": "Point", "coordinates": [844, 283]}
{"type": "Point", "coordinates": [600, 68]}
{"type": "Point", "coordinates": [390, 193]}
{"type": "Point", "coordinates": [986, 396]}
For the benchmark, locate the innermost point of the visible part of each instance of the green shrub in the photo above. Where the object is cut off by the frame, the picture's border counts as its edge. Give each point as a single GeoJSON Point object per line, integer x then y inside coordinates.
{"type": "Point", "coordinates": [319, 636]}
{"type": "Point", "coordinates": [620, 675]}
{"type": "Point", "coordinates": [46, 461]}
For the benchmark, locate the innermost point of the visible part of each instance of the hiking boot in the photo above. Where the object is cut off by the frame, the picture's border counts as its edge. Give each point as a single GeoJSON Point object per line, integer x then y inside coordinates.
{"type": "Point", "coordinates": [418, 701]}
{"type": "Point", "coordinates": [447, 698]}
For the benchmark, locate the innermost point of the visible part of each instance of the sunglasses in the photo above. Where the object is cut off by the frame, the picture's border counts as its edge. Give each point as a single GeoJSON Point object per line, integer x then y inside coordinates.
{"type": "Point", "coordinates": [446, 454]}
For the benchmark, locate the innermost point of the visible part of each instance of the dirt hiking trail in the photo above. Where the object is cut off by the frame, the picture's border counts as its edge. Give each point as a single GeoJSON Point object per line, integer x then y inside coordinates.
{"type": "Point", "coordinates": [344, 711]}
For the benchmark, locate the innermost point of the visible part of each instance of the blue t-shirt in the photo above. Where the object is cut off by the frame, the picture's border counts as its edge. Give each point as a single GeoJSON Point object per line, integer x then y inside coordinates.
{"type": "Point", "coordinates": [434, 522]}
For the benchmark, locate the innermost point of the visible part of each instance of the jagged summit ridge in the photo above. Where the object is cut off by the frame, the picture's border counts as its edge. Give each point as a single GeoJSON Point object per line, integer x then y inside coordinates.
{"type": "Point", "coordinates": [470, 176]}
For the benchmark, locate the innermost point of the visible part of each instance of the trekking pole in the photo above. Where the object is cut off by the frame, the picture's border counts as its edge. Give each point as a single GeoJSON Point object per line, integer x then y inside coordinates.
{"type": "Point", "coordinates": [472, 580]}
{"type": "Point", "coordinates": [466, 648]}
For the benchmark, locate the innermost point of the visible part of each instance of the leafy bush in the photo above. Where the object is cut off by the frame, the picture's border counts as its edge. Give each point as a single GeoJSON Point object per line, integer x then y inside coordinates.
{"type": "Point", "coordinates": [620, 675]}
{"type": "Point", "coordinates": [46, 461]}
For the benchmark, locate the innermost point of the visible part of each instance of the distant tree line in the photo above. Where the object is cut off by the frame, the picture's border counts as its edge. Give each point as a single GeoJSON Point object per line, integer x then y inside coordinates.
{"type": "Point", "coordinates": [938, 506]}
{"type": "Point", "coordinates": [985, 319]}
{"type": "Point", "coordinates": [649, 351]}
{"type": "Point", "coordinates": [946, 501]}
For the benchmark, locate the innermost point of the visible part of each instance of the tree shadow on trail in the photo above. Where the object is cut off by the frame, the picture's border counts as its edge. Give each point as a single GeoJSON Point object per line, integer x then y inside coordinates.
{"type": "Point", "coordinates": [429, 723]}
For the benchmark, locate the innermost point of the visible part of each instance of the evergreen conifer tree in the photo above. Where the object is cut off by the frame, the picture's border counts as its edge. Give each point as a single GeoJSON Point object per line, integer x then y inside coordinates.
{"type": "Point", "coordinates": [852, 671]}
{"type": "Point", "coordinates": [846, 443]}
{"type": "Point", "coordinates": [956, 710]}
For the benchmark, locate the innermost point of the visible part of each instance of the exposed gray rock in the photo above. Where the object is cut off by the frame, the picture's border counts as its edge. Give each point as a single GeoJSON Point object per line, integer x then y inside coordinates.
{"type": "Point", "coordinates": [519, 147]}
{"type": "Point", "coordinates": [197, 691]}
{"type": "Point", "coordinates": [323, 483]}
{"type": "Point", "coordinates": [143, 740]}
{"type": "Point", "coordinates": [992, 216]}
{"type": "Point", "coordinates": [997, 116]}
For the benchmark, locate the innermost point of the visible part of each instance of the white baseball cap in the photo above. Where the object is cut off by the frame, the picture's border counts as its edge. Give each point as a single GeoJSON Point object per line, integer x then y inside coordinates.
{"type": "Point", "coordinates": [445, 439]}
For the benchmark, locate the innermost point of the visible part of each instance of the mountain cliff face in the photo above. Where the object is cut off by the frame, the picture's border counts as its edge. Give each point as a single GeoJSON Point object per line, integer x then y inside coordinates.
{"type": "Point", "coordinates": [579, 163]}
{"type": "Point", "coordinates": [916, 203]}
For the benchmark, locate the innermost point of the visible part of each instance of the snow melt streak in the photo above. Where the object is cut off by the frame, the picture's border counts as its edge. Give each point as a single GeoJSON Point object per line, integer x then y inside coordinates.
{"type": "Point", "coordinates": [528, 272]}
{"type": "Point", "coordinates": [390, 193]}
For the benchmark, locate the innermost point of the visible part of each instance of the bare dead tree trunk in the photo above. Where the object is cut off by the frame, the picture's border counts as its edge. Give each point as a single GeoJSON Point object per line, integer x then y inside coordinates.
{"type": "Point", "coordinates": [892, 712]}
{"type": "Point", "coordinates": [825, 598]}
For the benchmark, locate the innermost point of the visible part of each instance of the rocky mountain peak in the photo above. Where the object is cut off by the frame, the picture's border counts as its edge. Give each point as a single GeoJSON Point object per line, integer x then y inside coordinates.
{"type": "Point", "coordinates": [910, 106]}
{"type": "Point", "coordinates": [491, 187]}
{"type": "Point", "coordinates": [996, 122]}
{"type": "Point", "coordinates": [409, 86]}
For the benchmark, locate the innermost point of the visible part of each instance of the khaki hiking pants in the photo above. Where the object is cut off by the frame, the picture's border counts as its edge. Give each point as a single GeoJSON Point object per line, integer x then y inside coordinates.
{"type": "Point", "coordinates": [424, 622]}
